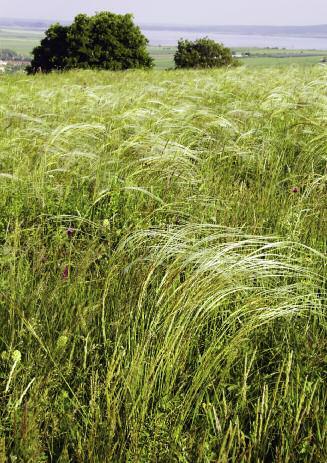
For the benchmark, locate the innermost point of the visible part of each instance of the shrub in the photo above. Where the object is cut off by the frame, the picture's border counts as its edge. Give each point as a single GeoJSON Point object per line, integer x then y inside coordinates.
{"type": "Point", "coordinates": [104, 41]}
{"type": "Point", "coordinates": [202, 53]}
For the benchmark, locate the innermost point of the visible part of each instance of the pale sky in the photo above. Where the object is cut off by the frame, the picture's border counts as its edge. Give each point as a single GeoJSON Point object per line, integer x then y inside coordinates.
{"type": "Point", "coordinates": [220, 12]}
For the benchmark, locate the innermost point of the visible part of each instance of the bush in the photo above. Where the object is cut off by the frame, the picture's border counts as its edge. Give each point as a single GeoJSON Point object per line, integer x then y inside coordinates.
{"type": "Point", "coordinates": [203, 53]}
{"type": "Point", "coordinates": [104, 41]}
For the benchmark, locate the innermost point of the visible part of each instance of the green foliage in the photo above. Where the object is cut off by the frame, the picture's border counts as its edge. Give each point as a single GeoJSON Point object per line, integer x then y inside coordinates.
{"type": "Point", "coordinates": [53, 52]}
{"type": "Point", "coordinates": [162, 267]}
{"type": "Point", "coordinates": [103, 41]}
{"type": "Point", "coordinates": [202, 53]}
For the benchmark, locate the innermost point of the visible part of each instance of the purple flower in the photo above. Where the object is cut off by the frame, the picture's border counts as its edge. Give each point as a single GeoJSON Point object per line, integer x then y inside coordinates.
{"type": "Point", "coordinates": [65, 273]}
{"type": "Point", "coordinates": [70, 232]}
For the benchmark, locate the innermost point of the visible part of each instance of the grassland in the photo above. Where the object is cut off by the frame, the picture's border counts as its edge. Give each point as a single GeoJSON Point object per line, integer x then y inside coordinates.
{"type": "Point", "coordinates": [163, 281]}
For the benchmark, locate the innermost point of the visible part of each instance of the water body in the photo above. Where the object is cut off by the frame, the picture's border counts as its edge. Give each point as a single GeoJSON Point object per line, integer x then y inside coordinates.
{"type": "Point", "coordinates": [171, 37]}
{"type": "Point", "coordinates": [290, 37]}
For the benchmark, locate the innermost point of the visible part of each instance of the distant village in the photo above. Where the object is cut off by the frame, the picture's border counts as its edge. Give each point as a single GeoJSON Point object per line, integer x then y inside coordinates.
{"type": "Point", "coordinates": [11, 61]}
{"type": "Point", "coordinates": [12, 65]}
{"type": "Point", "coordinates": [3, 65]}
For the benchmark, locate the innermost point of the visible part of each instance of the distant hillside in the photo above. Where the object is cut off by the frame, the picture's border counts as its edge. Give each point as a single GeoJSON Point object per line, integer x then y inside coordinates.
{"type": "Point", "coordinates": [29, 23]}
{"type": "Point", "coordinates": [318, 31]}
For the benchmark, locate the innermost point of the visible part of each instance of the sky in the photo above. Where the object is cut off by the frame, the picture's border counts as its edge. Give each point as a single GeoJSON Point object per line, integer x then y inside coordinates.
{"type": "Point", "coordinates": [220, 12]}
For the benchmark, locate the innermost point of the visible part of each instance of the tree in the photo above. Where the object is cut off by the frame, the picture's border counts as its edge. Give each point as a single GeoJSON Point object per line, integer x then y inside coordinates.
{"type": "Point", "coordinates": [104, 41]}
{"type": "Point", "coordinates": [202, 53]}
{"type": "Point", "coordinates": [52, 52]}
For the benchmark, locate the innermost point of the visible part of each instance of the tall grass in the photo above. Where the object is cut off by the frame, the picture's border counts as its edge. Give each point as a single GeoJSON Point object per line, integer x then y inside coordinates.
{"type": "Point", "coordinates": [163, 282]}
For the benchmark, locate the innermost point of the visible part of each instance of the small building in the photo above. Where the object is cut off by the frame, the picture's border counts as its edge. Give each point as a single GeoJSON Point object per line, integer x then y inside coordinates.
{"type": "Point", "coordinates": [3, 65]}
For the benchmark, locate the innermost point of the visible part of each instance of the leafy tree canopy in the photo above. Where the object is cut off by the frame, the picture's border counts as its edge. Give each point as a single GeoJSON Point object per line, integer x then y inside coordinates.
{"type": "Point", "coordinates": [104, 41]}
{"type": "Point", "coordinates": [202, 53]}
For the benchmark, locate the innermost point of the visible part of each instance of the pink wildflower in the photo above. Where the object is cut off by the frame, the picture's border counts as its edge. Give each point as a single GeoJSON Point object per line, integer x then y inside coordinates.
{"type": "Point", "coordinates": [65, 273]}
{"type": "Point", "coordinates": [70, 232]}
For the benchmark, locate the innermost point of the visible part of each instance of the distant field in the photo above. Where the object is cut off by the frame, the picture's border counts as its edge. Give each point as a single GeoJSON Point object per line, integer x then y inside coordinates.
{"type": "Point", "coordinates": [163, 56]}
{"type": "Point", "coordinates": [268, 61]}
{"type": "Point", "coordinates": [259, 57]}
{"type": "Point", "coordinates": [20, 40]}
{"type": "Point", "coordinates": [24, 40]}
